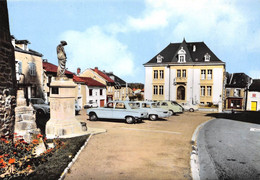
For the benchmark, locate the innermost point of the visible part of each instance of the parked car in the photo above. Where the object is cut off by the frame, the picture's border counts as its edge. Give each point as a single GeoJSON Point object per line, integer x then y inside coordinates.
{"type": "Point", "coordinates": [126, 110]}
{"type": "Point", "coordinates": [91, 104]}
{"type": "Point", "coordinates": [40, 106]}
{"type": "Point", "coordinates": [171, 106]}
{"type": "Point", "coordinates": [189, 107]}
{"type": "Point", "coordinates": [154, 112]}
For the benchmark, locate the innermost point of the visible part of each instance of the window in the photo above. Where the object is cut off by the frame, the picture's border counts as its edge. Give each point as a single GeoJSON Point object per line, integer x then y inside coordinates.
{"type": "Point", "coordinates": [183, 73]}
{"type": "Point", "coordinates": [209, 76]}
{"type": "Point", "coordinates": [90, 92]}
{"type": "Point", "coordinates": [19, 67]}
{"type": "Point", "coordinates": [161, 74]}
{"type": "Point", "coordinates": [178, 73]}
{"type": "Point", "coordinates": [55, 90]}
{"type": "Point", "coordinates": [164, 104]}
{"type": "Point", "coordinates": [101, 92]}
{"type": "Point", "coordinates": [202, 90]}
{"type": "Point", "coordinates": [159, 58]}
{"type": "Point", "coordinates": [227, 92]}
{"type": "Point", "coordinates": [160, 90]}
{"type": "Point", "coordinates": [203, 74]}
{"type": "Point", "coordinates": [181, 55]}
{"type": "Point", "coordinates": [32, 69]}
{"type": "Point", "coordinates": [155, 90]}
{"type": "Point", "coordinates": [207, 57]}
{"type": "Point", "coordinates": [155, 74]}
{"type": "Point", "coordinates": [209, 89]}
{"type": "Point", "coordinates": [237, 92]}
{"type": "Point", "coordinates": [120, 105]}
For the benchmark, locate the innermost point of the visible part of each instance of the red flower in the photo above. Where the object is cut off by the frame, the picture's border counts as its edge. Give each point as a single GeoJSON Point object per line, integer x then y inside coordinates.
{"type": "Point", "coordinates": [1, 161]}
{"type": "Point", "coordinates": [35, 141]}
{"type": "Point", "coordinates": [6, 155]}
{"type": "Point", "coordinates": [11, 161]}
{"type": "Point", "coordinates": [1, 156]}
{"type": "Point", "coordinates": [15, 133]}
{"type": "Point", "coordinates": [3, 139]}
{"type": "Point", "coordinates": [15, 152]}
{"type": "Point", "coordinates": [6, 142]}
{"type": "Point", "coordinates": [39, 136]}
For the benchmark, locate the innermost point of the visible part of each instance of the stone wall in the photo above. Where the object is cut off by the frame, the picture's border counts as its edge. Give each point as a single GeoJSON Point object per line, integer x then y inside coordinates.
{"type": "Point", "coordinates": [7, 72]}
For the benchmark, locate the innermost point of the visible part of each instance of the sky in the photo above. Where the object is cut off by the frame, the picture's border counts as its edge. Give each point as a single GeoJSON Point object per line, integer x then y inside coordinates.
{"type": "Point", "coordinates": [119, 36]}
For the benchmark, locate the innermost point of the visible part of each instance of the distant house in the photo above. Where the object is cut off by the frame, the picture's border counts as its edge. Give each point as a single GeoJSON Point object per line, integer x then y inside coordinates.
{"type": "Point", "coordinates": [50, 71]}
{"type": "Point", "coordinates": [120, 89]}
{"type": "Point", "coordinates": [253, 100]}
{"type": "Point", "coordinates": [28, 69]}
{"type": "Point", "coordinates": [101, 77]}
{"type": "Point", "coordinates": [235, 90]}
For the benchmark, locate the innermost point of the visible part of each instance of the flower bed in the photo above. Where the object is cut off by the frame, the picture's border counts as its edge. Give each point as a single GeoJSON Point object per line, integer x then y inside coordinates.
{"type": "Point", "coordinates": [18, 161]}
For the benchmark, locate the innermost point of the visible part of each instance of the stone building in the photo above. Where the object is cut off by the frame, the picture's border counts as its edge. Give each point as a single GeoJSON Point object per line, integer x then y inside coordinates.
{"type": "Point", "coordinates": [236, 90]}
{"type": "Point", "coordinates": [7, 73]}
{"type": "Point", "coordinates": [29, 70]}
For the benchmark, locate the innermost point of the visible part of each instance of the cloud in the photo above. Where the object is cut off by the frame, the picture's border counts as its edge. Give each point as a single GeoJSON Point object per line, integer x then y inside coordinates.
{"type": "Point", "coordinates": [95, 48]}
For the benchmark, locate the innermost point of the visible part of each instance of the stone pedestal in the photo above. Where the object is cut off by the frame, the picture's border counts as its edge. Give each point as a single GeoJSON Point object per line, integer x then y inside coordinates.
{"type": "Point", "coordinates": [62, 109]}
{"type": "Point", "coordinates": [25, 121]}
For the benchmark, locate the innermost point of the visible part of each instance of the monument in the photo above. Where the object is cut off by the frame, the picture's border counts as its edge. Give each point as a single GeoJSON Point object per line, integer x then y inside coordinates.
{"type": "Point", "coordinates": [62, 121]}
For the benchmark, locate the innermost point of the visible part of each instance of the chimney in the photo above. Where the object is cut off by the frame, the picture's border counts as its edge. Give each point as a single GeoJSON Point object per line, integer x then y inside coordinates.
{"type": "Point", "coordinates": [96, 69]}
{"type": "Point", "coordinates": [194, 48]}
{"type": "Point", "coordinates": [78, 71]}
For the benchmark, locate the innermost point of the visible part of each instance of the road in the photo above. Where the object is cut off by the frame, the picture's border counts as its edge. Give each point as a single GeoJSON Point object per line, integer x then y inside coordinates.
{"type": "Point", "coordinates": [229, 150]}
{"type": "Point", "coordinates": [150, 150]}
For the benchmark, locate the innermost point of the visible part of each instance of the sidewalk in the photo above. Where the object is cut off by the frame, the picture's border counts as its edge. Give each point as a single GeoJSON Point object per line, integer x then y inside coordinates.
{"type": "Point", "coordinates": [150, 150]}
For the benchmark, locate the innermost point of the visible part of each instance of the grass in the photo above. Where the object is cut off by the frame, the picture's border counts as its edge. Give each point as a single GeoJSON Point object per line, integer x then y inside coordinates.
{"type": "Point", "coordinates": [58, 161]}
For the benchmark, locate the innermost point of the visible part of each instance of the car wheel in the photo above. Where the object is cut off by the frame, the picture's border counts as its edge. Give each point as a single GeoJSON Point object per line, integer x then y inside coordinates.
{"type": "Point", "coordinates": [191, 110]}
{"type": "Point", "coordinates": [40, 113]}
{"type": "Point", "coordinates": [152, 117]}
{"type": "Point", "coordinates": [93, 117]}
{"type": "Point", "coordinates": [129, 120]}
{"type": "Point", "coordinates": [171, 112]}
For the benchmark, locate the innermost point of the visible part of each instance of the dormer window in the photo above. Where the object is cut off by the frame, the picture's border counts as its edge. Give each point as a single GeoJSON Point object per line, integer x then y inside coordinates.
{"type": "Point", "coordinates": [207, 57]}
{"type": "Point", "coordinates": [181, 55]}
{"type": "Point", "coordinates": [159, 58]}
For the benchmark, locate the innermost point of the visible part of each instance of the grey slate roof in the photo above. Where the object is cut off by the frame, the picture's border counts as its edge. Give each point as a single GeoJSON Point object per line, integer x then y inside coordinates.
{"type": "Point", "coordinates": [170, 53]}
{"type": "Point", "coordinates": [237, 80]}
{"type": "Point", "coordinates": [255, 86]}
{"type": "Point", "coordinates": [32, 52]}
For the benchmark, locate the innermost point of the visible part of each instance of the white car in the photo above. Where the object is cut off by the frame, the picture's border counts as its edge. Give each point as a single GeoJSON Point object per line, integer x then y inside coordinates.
{"type": "Point", "coordinates": [126, 110]}
{"type": "Point", "coordinates": [189, 107]}
{"type": "Point", "coordinates": [154, 112]}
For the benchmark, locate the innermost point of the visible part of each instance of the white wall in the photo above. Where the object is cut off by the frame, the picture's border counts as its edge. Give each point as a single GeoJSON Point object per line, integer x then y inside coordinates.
{"type": "Point", "coordinates": [193, 86]}
{"type": "Point", "coordinates": [172, 86]}
{"type": "Point", "coordinates": [166, 83]}
{"type": "Point", "coordinates": [217, 85]}
{"type": "Point", "coordinates": [148, 87]}
{"type": "Point", "coordinates": [250, 98]}
{"type": "Point", "coordinates": [96, 95]}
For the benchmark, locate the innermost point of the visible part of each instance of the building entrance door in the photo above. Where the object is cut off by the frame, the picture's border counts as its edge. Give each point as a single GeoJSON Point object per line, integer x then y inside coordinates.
{"type": "Point", "coordinates": [102, 103]}
{"type": "Point", "coordinates": [253, 106]}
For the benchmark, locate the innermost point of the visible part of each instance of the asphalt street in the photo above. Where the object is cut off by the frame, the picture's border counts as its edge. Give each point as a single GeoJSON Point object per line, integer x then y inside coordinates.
{"type": "Point", "coordinates": [229, 149]}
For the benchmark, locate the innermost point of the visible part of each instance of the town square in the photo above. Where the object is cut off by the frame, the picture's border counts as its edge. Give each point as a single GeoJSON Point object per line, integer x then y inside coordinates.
{"type": "Point", "coordinates": [146, 89]}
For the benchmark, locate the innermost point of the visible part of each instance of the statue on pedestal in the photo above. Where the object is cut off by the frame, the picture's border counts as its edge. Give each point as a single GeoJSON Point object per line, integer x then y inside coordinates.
{"type": "Point", "coordinates": [62, 58]}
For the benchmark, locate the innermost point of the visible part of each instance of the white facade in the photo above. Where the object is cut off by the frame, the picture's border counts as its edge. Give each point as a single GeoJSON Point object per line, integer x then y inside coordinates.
{"type": "Point", "coordinates": [253, 101]}
{"type": "Point", "coordinates": [95, 96]}
{"type": "Point", "coordinates": [148, 88]}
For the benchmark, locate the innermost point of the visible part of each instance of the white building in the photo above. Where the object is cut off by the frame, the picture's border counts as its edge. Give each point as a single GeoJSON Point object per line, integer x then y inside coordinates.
{"type": "Point", "coordinates": [186, 73]}
{"type": "Point", "coordinates": [253, 97]}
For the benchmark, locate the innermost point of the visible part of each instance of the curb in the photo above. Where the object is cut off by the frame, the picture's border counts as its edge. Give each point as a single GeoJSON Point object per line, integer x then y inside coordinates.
{"type": "Point", "coordinates": [194, 158]}
{"type": "Point", "coordinates": [66, 170]}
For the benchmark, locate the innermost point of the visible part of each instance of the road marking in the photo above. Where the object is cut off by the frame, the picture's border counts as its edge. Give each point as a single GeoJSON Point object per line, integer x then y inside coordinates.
{"type": "Point", "coordinates": [158, 131]}
{"type": "Point", "coordinates": [255, 129]}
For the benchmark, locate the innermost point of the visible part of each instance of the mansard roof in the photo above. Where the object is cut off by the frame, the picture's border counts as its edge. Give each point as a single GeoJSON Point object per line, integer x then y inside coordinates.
{"type": "Point", "coordinates": [195, 53]}
{"type": "Point", "coordinates": [255, 86]}
{"type": "Point", "coordinates": [237, 80]}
